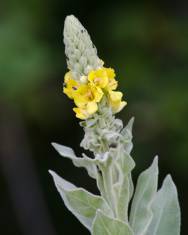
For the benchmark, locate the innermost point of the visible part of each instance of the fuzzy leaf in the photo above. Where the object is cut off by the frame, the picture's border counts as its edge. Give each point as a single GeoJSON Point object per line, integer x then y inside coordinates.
{"type": "Point", "coordinates": [166, 211]}
{"type": "Point", "coordinates": [131, 187]}
{"type": "Point", "coordinates": [79, 201]}
{"type": "Point", "coordinates": [123, 187]}
{"type": "Point", "coordinates": [104, 225]}
{"type": "Point", "coordinates": [127, 136]}
{"type": "Point", "coordinates": [141, 214]}
{"type": "Point", "coordinates": [84, 161]}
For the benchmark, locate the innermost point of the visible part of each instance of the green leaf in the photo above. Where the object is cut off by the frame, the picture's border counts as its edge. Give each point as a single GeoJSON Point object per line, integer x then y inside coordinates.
{"type": "Point", "coordinates": [124, 187]}
{"type": "Point", "coordinates": [131, 186]}
{"type": "Point", "coordinates": [84, 161]}
{"type": "Point", "coordinates": [127, 136]}
{"type": "Point", "coordinates": [166, 211]}
{"type": "Point", "coordinates": [141, 214]}
{"type": "Point", "coordinates": [79, 201]}
{"type": "Point", "coordinates": [105, 225]}
{"type": "Point", "coordinates": [116, 166]}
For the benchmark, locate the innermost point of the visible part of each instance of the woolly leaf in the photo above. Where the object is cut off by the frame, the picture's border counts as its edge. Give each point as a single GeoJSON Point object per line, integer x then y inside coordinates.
{"type": "Point", "coordinates": [104, 225]}
{"type": "Point", "coordinates": [127, 136]}
{"type": "Point", "coordinates": [141, 214]}
{"type": "Point", "coordinates": [79, 201]}
{"type": "Point", "coordinates": [124, 187]}
{"type": "Point", "coordinates": [84, 161]}
{"type": "Point", "coordinates": [166, 211]}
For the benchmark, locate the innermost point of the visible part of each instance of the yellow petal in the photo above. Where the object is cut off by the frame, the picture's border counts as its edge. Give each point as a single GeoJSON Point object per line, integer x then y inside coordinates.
{"type": "Point", "coordinates": [71, 85]}
{"type": "Point", "coordinates": [122, 104]}
{"type": "Point", "coordinates": [115, 101]}
{"type": "Point", "coordinates": [82, 95]}
{"type": "Point", "coordinates": [98, 77]}
{"type": "Point", "coordinates": [112, 83]}
{"type": "Point", "coordinates": [80, 101]}
{"type": "Point", "coordinates": [87, 93]}
{"type": "Point", "coordinates": [110, 73]}
{"type": "Point", "coordinates": [115, 96]}
{"type": "Point", "coordinates": [92, 107]}
{"type": "Point", "coordinates": [81, 113]}
{"type": "Point", "coordinates": [68, 76]}
{"type": "Point", "coordinates": [97, 93]}
{"type": "Point", "coordinates": [67, 92]}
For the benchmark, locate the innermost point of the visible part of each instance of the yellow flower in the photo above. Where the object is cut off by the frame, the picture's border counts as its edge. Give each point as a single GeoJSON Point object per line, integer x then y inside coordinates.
{"type": "Point", "coordinates": [67, 77]}
{"type": "Point", "coordinates": [115, 101]}
{"type": "Point", "coordinates": [87, 93]}
{"type": "Point", "coordinates": [103, 78]}
{"type": "Point", "coordinates": [98, 77]}
{"type": "Point", "coordinates": [71, 85]}
{"type": "Point", "coordinates": [81, 113]}
{"type": "Point", "coordinates": [112, 83]}
{"type": "Point", "coordinates": [84, 112]}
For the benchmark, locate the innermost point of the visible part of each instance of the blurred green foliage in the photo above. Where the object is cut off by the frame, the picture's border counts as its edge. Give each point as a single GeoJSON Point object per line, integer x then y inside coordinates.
{"type": "Point", "coordinates": [146, 42]}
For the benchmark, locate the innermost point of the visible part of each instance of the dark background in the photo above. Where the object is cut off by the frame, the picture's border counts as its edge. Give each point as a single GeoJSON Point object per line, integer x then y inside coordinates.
{"type": "Point", "coordinates": [145, 41]}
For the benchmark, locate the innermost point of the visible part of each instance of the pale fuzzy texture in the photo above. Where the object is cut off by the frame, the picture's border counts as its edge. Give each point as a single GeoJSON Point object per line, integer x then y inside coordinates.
{"type": "Point", "coordinates": [102, 131]}
{"type": "Point", "coordinates": [79, 49]}
{"type": "Point", "coordinates": [111, 170]}
{"type": "Point", "coordinates": [152, 212]}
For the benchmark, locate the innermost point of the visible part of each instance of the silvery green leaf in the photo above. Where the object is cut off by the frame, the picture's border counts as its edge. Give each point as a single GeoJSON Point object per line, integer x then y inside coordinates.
{"type": "Point", "coordinates": [105, 182]}
{"type": "Point", "coordinates": [116, 166]}
{"type": "Point", "coordinates": [124, 187]}
{"type": "Point", "coordinates": [105, 225]}
{"type": "Point", "coordinates": [127, 130]}
{"type": "Point", "coordinates": [166, 211]}
{"type": "Point", "coordinates": [127, 136]}
{"type": "Point", "coordinates": [84, 161]}
{"type": "Point", "coordinates": [79, 201]}
{"type": "Point", "coordinates": [131, 186]}
{"type": "Point", "coordinates": [141, 214]}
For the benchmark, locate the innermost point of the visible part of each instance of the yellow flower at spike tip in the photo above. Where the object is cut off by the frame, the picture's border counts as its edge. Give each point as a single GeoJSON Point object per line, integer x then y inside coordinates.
{"type": "Point", "coordinates": [87, 93]}
{"type": "Point", "coordinates": [115, 101]}
{"type": "Point", "coordinates": [71, 85]}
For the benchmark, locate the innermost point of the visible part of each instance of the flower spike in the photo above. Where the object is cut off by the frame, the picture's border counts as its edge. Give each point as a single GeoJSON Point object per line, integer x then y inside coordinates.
{"type": "Point", "coordinates": [87, 82]}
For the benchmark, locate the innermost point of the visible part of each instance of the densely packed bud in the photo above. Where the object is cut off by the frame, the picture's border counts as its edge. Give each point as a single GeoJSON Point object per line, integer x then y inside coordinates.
{"type": "Point", "coordinates": [79, 49]}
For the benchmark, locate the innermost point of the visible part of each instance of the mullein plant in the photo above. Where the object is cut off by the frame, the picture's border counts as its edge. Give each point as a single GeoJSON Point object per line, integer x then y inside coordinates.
{"type": "Point", "coordinates": [119, 209]}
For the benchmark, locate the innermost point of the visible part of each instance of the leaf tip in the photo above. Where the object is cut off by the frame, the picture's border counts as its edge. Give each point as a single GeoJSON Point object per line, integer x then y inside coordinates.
{"type": "Point", "coordinates": [53, 174]}
{"type": "Point", "coordinates": [169, 181]}
{"type": "Point", "coordinates": [154, 165]}
{"type": "Point", "coordinates": [156, 160]}
{"type": "Point", "coordinates": [55, 145]}
{"type": "Point", "coordinates": [130, 123]}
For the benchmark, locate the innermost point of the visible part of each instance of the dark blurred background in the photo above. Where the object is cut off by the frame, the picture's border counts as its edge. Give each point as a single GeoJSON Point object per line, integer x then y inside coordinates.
{"type": "Point", "coordinates": [145, 41]}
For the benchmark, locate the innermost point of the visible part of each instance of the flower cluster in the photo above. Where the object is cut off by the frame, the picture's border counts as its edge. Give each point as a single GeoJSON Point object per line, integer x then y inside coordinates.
{"type": "Point", "coordinates": [89, 91]}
